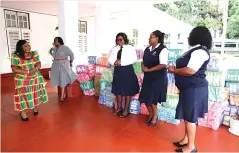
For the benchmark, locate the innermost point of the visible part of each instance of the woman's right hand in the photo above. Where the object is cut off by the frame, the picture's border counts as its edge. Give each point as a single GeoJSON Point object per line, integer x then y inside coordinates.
{"type": "Point", "coordinates": [117, 63]}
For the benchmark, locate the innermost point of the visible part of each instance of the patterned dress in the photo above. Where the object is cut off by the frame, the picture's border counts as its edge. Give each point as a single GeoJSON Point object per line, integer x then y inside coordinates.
{"type": "Point", "coordinates": [30, 89]}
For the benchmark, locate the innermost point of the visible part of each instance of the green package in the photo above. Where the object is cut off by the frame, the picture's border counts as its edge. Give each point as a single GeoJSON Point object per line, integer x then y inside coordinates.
{"type": "Point", "coordinates": [137, 68]}
{"type": "Point", "coordinates": [87, 85]}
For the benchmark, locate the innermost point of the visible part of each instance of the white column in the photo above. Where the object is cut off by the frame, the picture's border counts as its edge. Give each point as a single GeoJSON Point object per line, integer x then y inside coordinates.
{"type": "Point", "coordinates": [68, 23]}
{"type": "Point", "coordinates": [102, 29]}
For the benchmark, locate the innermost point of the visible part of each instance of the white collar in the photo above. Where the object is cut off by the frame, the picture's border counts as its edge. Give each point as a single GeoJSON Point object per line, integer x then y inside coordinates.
{"type": "Point", "coordinates": [151, 48]}
{"type": "Point", "coordinates": [194, 46]}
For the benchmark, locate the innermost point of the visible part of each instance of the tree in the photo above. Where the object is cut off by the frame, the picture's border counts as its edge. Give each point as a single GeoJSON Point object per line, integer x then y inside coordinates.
{"type": "Point", "coordinates": [233, 20]}
{"type": "Point", "coordinates": [195, 12]}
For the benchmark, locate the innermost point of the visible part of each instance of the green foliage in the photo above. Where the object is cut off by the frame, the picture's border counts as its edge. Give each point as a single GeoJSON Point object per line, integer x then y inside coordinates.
{"type": "Point", "coordinates": [195, 12]}
{"type": "Point", "coordinates": [203, 12]}
{"type": "Point", "coordinates": [233, 20]}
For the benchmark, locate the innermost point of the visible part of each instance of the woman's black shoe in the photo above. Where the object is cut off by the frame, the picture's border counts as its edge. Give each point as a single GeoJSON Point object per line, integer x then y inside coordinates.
{"type": "Point", "coordinates": [122, 115]}
{"type": "Point", "coordinates": [117, 112]}
{"type": "Point", "coordinates": [181, 150]}
{"type": "Point", "coordinates": [179, 145]}
{"type": "Point", "coordinates": [148, 120]}
{"type": "Point", "coordinates": [24, 119]}
{"type": "Point", "coordinates": [153, 124]}
{"type": "Point", "coordinates": [35, 113]}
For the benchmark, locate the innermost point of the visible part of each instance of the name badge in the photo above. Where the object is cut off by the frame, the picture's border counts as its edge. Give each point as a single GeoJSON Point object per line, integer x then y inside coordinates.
{"type": "Point", "coordinates": [154, 53]}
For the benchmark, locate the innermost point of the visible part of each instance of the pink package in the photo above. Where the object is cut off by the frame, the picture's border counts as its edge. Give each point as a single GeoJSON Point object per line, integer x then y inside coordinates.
{"type": "Point", "coordinates": [115, 103]}
{"type": "Point", "coordinates": [213, 118]}
{"type": "Point", "coordinates": [144, 110]}
{"type": "Point", "coordinates": [83, 77]}
{"type": "Point", "coordinates": [136, 96]}
{"type": "Point", "coordinates": [90, 92]}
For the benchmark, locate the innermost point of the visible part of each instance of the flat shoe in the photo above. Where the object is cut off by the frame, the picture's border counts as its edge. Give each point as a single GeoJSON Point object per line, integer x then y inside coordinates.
{"type": "Point", "coordinates": [181, 150]}
{"type": "Point", "coordinates": [179, 145]}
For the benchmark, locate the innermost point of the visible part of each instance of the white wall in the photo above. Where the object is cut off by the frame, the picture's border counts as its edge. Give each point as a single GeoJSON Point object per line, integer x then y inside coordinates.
{"type": "Point", "coordinates": [42, 35]}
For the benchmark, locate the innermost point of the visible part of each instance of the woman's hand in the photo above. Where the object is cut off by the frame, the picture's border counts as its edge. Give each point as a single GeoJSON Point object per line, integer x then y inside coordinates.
{"type": "Point", "coordinates": [145, 69]}
{"type": "Point", "coordinates": [171, 69]}
{"type": "Point", "coordinates": [117, 63]}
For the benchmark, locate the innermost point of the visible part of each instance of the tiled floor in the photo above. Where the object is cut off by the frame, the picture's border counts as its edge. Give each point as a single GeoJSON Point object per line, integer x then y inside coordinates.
{"type": "Point", "coordinates": [81, 124]}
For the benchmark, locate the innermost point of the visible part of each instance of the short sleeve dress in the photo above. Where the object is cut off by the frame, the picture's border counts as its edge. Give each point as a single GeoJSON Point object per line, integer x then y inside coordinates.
{"type": "Point", "coordinates": [30, 89]}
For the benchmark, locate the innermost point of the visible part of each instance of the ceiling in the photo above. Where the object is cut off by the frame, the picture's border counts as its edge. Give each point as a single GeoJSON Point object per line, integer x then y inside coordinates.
{"type": "Point", "coordinates": [85, 6]}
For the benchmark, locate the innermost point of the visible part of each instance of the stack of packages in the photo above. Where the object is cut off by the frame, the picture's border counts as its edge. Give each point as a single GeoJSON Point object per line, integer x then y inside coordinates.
{"type": "Point", "coordinates": [101, 64]}
{"type": "Point", "coordinates": [135, 104]}
{"type": "Point", "coordinates": [85, 77]}
{"type": "Point", "coordinates": [218, 95]}
{"type": "Point", "coordinates": [232, 82]}
{"type": "Point", "coordinates": [167, 111]}
{"type": "Point", "coordinates": [106, 97]}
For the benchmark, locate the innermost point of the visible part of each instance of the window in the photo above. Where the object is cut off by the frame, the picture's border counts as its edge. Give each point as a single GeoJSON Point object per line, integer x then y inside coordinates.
{"type": "Point", "coordinates": [82, 29]}
{"type": "Point", "coordinates": [135, 37]}
{"type": "Point", "coordinates": [167, 37]}
{"type": "Point", "coordinates": [17, 27]}
{"type": "Point", "coordinates": [179, 36]}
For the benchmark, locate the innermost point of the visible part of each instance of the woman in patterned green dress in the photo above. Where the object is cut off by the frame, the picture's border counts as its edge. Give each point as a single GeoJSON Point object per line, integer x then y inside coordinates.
{"type": "Point", "coordinates": [30, 88]}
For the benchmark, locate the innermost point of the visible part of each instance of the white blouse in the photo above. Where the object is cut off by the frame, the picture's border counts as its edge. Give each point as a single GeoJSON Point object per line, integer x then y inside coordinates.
{"type": "Point", "coordinates": [198, 57]}
{"type": "Point", "coordinates": [163, 56]}
{"type": "Point", "coordinates": [128, 55]}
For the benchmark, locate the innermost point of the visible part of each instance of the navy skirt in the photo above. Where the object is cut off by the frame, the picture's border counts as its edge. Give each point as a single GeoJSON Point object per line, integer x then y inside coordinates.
{"type": "Point", "coordinates": [193, 104]}
{"type": "Point", "coordinates": [125, 81]}
{"type": "Point", "coordinates": [154, 88]}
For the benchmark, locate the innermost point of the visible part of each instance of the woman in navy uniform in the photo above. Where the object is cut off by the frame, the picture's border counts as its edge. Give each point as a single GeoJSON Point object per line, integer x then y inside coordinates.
{"type": "Point", "coordinates": [190, 80]}
{"type": "Point", "coordinates": [154, 88]}
{"type": "Point", "coordinates": [125, 82]}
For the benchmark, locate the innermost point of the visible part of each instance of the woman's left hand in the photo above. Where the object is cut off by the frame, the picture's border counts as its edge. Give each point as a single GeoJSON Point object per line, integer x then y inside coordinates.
{"type": "Point", "coordinates": [171, 69]}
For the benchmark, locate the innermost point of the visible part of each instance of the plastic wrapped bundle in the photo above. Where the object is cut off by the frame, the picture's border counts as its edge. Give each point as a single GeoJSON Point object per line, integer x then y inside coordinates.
{"type": "Point", "coordinates": [83, 77]}
{"type": "Point", "coordinates": [109, 96]}
{"type": "Point", "coordinates": [144, 109]}
{"type": "Point", "coordinates": [102, 99]}
{"type": "Point", "coordinates": [116, 105]}
{"type": "Point", "coordinates": [172, 101]}
{"type": "Point", "coordinates": [87, 85]}
{"type": "Point", "coordinates": [174, 54]}
{"type": "Point", "coordinates": [213, 118]}
{"type": "Point", "coordinates": [234, 100]}
{"type": "Point", "coordinates": [228, 113]}
{"type": "Point", "coordinates": [137, 67]}
{"type": "Point", "coordinates": [140, 53]}
{"type": "Point", "coordinates": [233, 88]}
{"type": "Point", "coordinates": [217, 94]}
{"type": "Point", "coordinates": [171, 78]}
{"type": "Point", "coordinates": [136, 96]}
{"type": "Point", "coordinates": [134, 107]}
{"type": "Point", "coordinates": [215, 64]}
{"type": "Point", "coordinates": [99, 69]}
{"type": "Point", "coordinates": [81, 69]}
{"type": "Point", "coordinates": [140, 79]}
{"type": "Point", "coordinates": [109, 100]}
{"type": "Point", "coordinates": [172, 89]}
{"type": "Point", "coordinates": [232, 75]}
{"type": "Point", "coordinates": [168, 115]}
{"type": "Point", "coordinates": [103, 61]}
{"type": "Point", "coordinates": [91, 70]}
{"type": "Point", "coordinates": [92, 60]}
{"type": "Point", "coordinates": [107, 74]}
{"type": "Point", "coordinates": [103, 85]}
{"type": "Point", "coordinates": [172, 63]}
{"type": "Point", "coordinates": [216, 78]}
{"type": "Point", "coordinates": [90, 92]}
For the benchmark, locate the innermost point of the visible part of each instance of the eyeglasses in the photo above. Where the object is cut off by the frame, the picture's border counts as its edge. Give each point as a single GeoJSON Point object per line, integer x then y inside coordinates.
{"type": "Point", "coordinates": [119, 40]}
{"type": "Point", "coordinates": [152, 37]}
